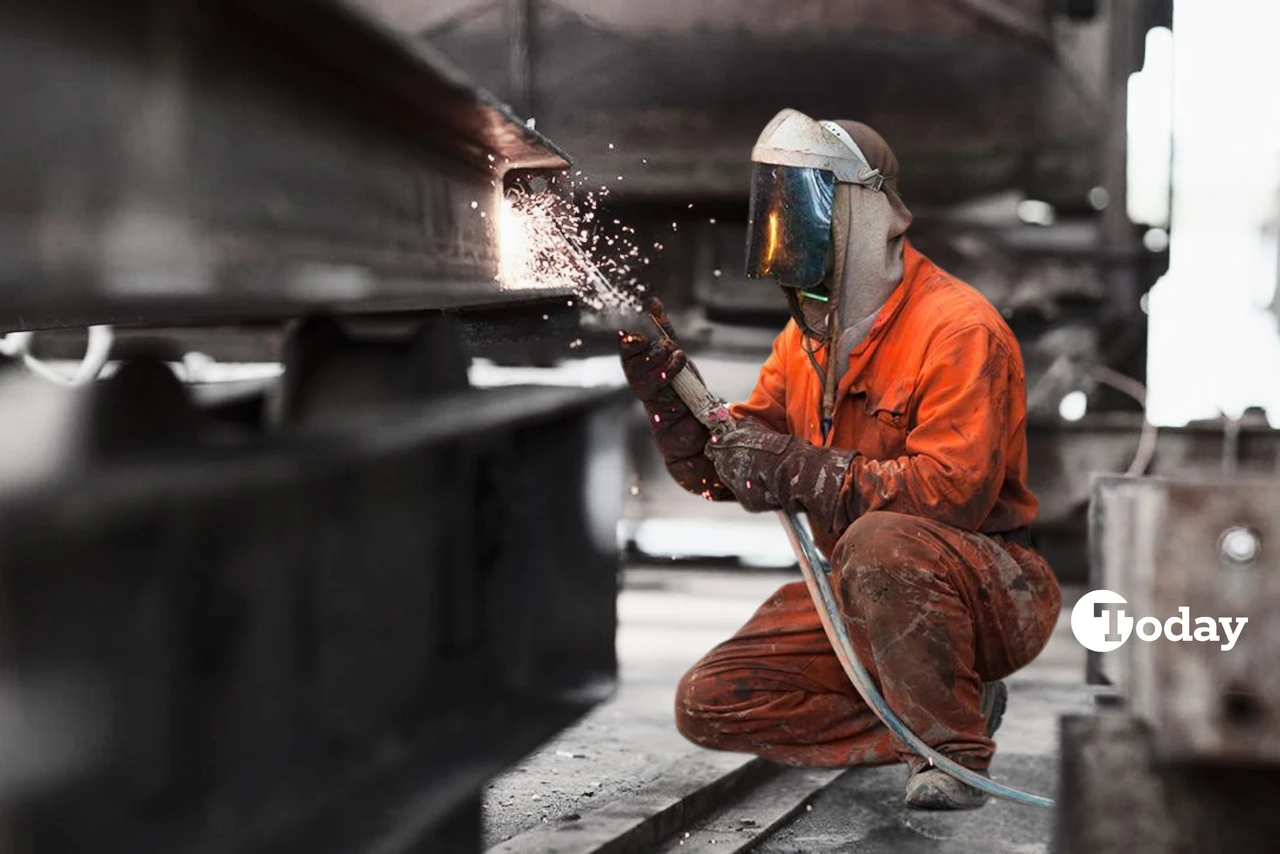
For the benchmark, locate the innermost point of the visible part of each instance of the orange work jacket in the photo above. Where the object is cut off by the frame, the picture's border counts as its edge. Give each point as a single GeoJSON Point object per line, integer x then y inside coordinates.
{"type": "Point", "coordinates": [933, 401]}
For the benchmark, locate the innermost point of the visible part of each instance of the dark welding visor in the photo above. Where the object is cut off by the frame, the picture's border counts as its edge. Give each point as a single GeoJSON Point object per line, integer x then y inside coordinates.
{"type": "Point", "coordinates": [789, 231]}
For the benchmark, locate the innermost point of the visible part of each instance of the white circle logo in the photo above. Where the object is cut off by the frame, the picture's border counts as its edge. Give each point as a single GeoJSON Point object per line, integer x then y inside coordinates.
{"type": "Point", "coordinates": [1101, 620]}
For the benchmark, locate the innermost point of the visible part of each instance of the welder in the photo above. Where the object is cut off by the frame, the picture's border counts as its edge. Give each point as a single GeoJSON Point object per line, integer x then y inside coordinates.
{"type": "Point", "coordinates": [892, 412]}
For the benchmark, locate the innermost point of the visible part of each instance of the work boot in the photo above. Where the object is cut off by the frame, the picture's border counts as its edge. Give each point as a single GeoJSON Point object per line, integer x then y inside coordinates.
{"type": "Point", "coordinates": [931, 788]}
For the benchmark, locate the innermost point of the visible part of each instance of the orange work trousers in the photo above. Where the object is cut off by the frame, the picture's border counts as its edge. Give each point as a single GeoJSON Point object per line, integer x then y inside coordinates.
{"type": "Point", "coordinates": [933, 611]}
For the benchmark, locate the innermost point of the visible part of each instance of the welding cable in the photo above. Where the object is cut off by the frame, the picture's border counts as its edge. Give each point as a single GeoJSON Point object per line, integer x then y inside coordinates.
{"type": "Point", "coordinates": [1066, 370]}
{"type": "Point", "coordinates": [97, 352]}
{"type": "Point", "coordinates": [816, 571]}
{"type": "Point", "coordinates": [1129, 386]}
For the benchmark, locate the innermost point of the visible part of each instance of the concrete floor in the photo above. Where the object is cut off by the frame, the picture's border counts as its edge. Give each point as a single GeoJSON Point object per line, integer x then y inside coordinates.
{"type": "Point", "coordinates": [668, 619]}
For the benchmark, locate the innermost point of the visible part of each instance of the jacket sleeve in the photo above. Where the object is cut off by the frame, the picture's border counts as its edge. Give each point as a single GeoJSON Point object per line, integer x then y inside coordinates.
{"type": "Point", "coordinates": [955, 453]}
{"type": "Point", "coordinates": [768, 401]}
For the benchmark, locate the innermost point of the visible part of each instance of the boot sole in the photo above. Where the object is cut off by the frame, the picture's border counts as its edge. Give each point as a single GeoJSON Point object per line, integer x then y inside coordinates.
{"type": "Point", "coordinates": [939, 793]}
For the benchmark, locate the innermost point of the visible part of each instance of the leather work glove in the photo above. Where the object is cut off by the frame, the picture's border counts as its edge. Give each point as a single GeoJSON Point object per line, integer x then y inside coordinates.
{"type": "Point", "coordinates": [650, 367]}
{"type": "Point", "coordinates": [777, 471]}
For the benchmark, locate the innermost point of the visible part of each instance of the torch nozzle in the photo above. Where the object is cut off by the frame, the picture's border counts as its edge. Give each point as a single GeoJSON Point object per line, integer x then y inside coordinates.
{"type": "Point", "coordinates": [658, 314]}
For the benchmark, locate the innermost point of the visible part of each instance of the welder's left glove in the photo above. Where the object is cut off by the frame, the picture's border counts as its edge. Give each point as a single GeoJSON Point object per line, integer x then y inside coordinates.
{"type": "Point", "coordinates": [776, 471]}
{"type": "Point", "coordinates": [650, 367]}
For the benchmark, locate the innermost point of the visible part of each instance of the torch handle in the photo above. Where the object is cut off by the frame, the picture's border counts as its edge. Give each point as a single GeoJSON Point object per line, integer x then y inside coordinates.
{"type": "Point", "coordinates": [705, 406]}
{"type": "Point", "coordinates": [692, 391]}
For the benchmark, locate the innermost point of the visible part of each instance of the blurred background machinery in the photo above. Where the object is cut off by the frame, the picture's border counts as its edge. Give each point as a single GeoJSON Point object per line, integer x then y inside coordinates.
{"type": "Point", "coordinates": [1183, 757]}
{"type": "Point", "coordinates": [280, 579]}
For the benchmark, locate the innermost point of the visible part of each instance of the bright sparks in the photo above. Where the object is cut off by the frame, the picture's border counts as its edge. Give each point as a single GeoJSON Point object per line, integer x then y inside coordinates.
{"type": "Point", "coordinates": [526, 241]}
{"type": "Point", "coordinates": [549, 242]}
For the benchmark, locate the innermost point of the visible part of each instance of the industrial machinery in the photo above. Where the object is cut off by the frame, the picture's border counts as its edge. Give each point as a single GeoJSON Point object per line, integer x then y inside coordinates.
{"type": "Point", "coordinates": [1183, 757]}
{"type": "Point", "coordinates": [312, 604]}
{"type": "Point", "coordinates": [275, 577]}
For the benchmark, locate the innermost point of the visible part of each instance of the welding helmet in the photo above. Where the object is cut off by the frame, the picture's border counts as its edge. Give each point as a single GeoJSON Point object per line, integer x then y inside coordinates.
{"type": "Point", "coordinates": [796, 164]}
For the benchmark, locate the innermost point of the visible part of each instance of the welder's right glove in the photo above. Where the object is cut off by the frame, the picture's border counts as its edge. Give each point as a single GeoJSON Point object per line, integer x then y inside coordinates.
{"type": "Point", "coordinates": [768, 470]}
{"type": "Point", "coordinates": [650, 367]}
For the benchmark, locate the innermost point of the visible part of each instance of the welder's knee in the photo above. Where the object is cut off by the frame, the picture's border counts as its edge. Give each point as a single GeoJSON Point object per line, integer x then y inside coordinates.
{"type": "Point", "coordinates": [697, 702]}
{"type": "Point", "coordinates": [711, 709]}
{"type": "Point", "coordinates": [882, 552]}
{"type": "Point", "coordinates": [881, 537]}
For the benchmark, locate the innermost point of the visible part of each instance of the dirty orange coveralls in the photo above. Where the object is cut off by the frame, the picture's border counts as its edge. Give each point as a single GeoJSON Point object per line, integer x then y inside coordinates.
{"type": "Point", "coordinates": [934, 401]}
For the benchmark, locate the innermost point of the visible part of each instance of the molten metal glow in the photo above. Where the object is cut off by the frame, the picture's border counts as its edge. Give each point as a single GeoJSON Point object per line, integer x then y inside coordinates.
{"type": "Point", "coordinates": [530, 246]}
{"type": "Point", "coordinates": [548, 242]}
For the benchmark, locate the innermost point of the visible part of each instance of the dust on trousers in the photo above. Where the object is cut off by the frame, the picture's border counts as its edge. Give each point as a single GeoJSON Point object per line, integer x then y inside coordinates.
{"type": "Point", "coordinates": [933, 611]}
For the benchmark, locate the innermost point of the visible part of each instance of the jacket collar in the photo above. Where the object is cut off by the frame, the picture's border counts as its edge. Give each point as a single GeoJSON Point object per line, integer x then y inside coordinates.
{"type": "Point", "coordinates": [912, 265]}
{"type": "Point", "coordinates": [914, 268]}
